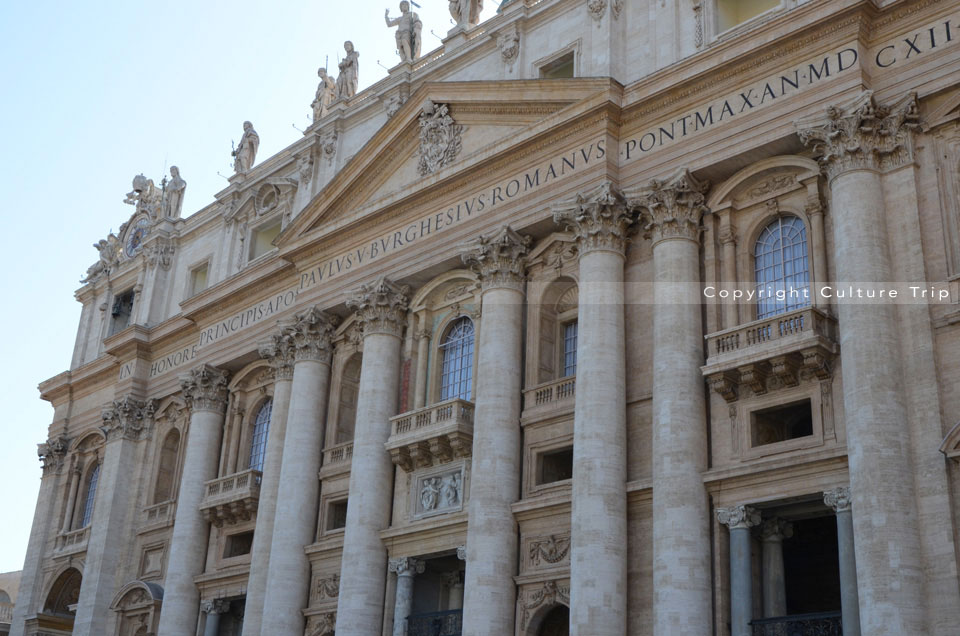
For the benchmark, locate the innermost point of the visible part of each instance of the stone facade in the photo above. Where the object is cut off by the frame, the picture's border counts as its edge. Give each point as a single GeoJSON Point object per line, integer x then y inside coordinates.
{"type": "Point", "coordinates": [462, 359]}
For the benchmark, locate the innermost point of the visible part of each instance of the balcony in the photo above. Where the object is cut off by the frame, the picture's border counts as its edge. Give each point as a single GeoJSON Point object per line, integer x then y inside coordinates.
{"type": "Point", "coordinates": [549, 397]}
{"type": "Point", "coordinates": [73, 541]}
{"type": "Point", "coordinates": [449, 623]}
{"type": "Point", "coordinates": [824, 624]}
{"type": "Point", "coordinates": [6, 613]}
{"type": "Point", "coordinates": [157, 516]}
{"type": "Point", "coordinates": [336, 460]}
{"type": "Point", "coordinates": [768, 354]}
{"type": "Point", "coordinates": [231, 499]}
{"type": "Point", "coordinates": [431, 435]}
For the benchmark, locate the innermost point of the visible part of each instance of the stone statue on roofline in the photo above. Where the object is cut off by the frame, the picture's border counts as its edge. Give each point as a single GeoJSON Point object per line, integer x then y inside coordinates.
{"type": "Point", "coordinates": [349, 77]}
{"type": "Point", "coordinates": [326, 93]}
{"type": "Point", "coordinates": [173, 194]}
{"type": "Point", "coordinates": [246, 151]}
{"type": "Point", "coordinates": [466, 13]}
{"type": "Point", "coordinates": [408, 32]}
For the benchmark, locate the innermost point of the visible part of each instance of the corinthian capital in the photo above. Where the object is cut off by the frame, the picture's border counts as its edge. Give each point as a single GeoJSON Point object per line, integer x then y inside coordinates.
{"type": "Point", "coordinates": [599, 219]}
{"type": "Point", "coordinates": [278, 351]}
{"type": "Point", "coordinates": [499, 260]}
{"type": "Point", "coordinates": [310, 335]}
{"type": "Point", "coordinates": [51, 453]}
{"type": "Point", "coordinates": [863, 134]}
{"type": "Point", "coordinates": [381, 307]}
{"type": "Point", "coordinates": [838, 498]}
{"type": "Point", "coordinates": [205, 389]}
{"type": "Point", "coordinates": [738, 517]}
{"type": "Point", "coordinates": [773, 530]}
{"type": "Point", "coordinates": [407, 566]}
{"type": "Point", "coordinates": [671, 208]}
{"type": "Point", "coordinates": [127, 418]}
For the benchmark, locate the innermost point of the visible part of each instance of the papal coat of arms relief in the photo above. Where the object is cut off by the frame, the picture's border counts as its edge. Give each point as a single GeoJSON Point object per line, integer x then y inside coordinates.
{"type": "Point", "coordinates": [439, 138]}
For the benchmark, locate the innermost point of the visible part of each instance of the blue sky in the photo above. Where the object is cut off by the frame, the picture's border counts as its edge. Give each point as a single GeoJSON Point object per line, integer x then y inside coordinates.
{"type": "Point", "coordinates": [95, 93]}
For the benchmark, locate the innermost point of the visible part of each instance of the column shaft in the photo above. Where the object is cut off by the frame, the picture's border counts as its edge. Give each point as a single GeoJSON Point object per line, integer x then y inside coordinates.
{"type": "Point", "coordinates": [406, 569]}
{"type": "Point", "coordinates": [364, 561]}
{"type": "Point", "coordinates": [288, 577]}
{"type": "Point", "coordinates": [772, 535]}
{"type": "Point", "coordinates": [73, 487]}
{"type": "Point", "coordinates": [267, 507]}
{"type": "Point", "coordinates": [212, 625]}
{"type": "Point", "coordinates": [741, 583]}
{"type": "Point", "coordinates": [490, 601]}
{"type": "Point", "coordinates": [423, 357]}
{"type": "Point", "coordinates": [849, 596]}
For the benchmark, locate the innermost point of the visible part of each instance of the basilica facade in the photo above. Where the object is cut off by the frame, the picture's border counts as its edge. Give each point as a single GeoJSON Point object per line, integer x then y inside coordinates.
{"type": "Point", "coordinates": [581, 323]}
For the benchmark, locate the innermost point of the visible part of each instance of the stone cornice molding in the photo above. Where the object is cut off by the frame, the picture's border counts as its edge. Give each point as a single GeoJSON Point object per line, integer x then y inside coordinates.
{"type": "Point", "coordinates": [671, 208]}
{"type": "Point", "coordinates": [863, 135]}
{"type": "Point", "coordinates": [278, 351]}
{"type": "Point", "coordinates": [51, 453]}
{"type": "Point", "coordinates": [381, 307]}
{"type": "Point", "coordinates": [205, 389]}
{"type": "Point", "coordinates": [407, 566]}
{"type": "Point", "coordinates": [499, 260]}
{"type": "Point", "coordinates": [128, 418]}
{"type": "Point", "coordinates": [776, 530]}
{"type": "Point", "coordinates": [311, 335]}
{"type": "Point", "coordinates": [838, 498]}
{"type": "Point", "coordinates": [738, 517]}
{"type": "Point", "coordinates": [599, 219]}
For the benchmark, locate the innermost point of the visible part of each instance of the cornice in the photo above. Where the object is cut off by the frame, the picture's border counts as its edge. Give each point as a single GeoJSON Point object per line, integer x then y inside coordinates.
{"type": "Point", "coordinates": [134, 341]}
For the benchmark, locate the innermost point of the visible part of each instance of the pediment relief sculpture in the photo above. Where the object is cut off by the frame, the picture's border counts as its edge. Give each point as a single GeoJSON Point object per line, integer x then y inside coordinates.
{"type": "Point", "coordinates": [440, 138]}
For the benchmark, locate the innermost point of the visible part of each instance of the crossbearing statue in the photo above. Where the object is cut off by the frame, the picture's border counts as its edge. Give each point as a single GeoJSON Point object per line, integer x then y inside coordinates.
{"type": "Point", "coordinates": [326, 93]}
{"type": "Point", "coordinates": [408, 32]}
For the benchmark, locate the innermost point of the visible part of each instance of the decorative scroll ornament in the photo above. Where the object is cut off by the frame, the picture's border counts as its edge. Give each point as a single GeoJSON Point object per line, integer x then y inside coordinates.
{"type": "Point", "coordinates": [440, 138]}
{"type": "Point", "coordinates": [381, 307]}
{"type": "Point", "coordinates": [499, 260]}
{"type": "Point", "coordinates": [311, 335]}
{"type": "Point", "coordinates": [128, 418]}
{"type": "Point", "coordinates": [215, 606]}
{"type": "Point", "coordinates": [508, 41]}
{"type": "Point", "coordinates": [328, 142]}
{"type": "Point", "coordinates": [596, 9]}
{"type": "Point", "coordinates": [776, 530]}
{"type": "Point", "coordinates": [160, 253]}
{"type": "Point", "coordinates": [616, 8]}
{"type": "Point", "coordinates": [550, 594]}
{"type": "Point", "coordinates": [51, 453]}
{"type": "Point", "coordinates": [328, 587]}
{"type": "Point", "coordinates": [205, 389]}
{"type": "Point", "coordinates": [671, 208]}
{"type": "Point", "coordinates": [738, 517]}
{"type": "Point", "coordinates": [864, 134]}
{"type": "Point", "coordinates": [407, 566]}
{"type": "Point", "coordinates": [599, 219]}
{"type": "Point", "coordinates": [278, 350]}
{"type": "Point", "coordinates": [552, 549]}
{"type": "Point", "coordinates": [838, 499]}
{"type": "Point", "coordinates": [323, 625]}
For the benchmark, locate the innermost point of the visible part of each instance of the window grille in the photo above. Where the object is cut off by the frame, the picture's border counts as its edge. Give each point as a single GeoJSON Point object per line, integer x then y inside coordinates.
{"type": "Point", "coordinates": [91, 495]}
{"type": "Point", "coordinates": [456, 379]}
{"type": "Point", "coordinates": [570, 349]}
{"type": "Point", "coordinates": [258, 446]}
{"type": "Point", "coordinates": [781, 267]}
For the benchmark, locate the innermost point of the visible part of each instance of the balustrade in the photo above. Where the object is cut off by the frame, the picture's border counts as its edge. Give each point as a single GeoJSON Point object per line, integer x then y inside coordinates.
{"type": "Point", "coordinates": [232, 498]}
{"type": "Point", "coordinates": [448, 623]}
{"type": "Point", "coordinates": [819, 624]}
{"type": "Point", "coordinates": [432, 434]}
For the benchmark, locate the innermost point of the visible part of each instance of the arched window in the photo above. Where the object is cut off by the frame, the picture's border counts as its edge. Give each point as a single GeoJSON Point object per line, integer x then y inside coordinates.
{"type": "Point", "coordinates": [349, 390]}
{"type": "Point", "coordinates": [90, 496]}
{"type": "Point", "coordinates": [261, 428]}
{"type": "Point", "coordinates": [781, 267]}
{"type": "Point", "coordinates": [456, 350]}
{"type": "Point", "coordinates": [166, 473]}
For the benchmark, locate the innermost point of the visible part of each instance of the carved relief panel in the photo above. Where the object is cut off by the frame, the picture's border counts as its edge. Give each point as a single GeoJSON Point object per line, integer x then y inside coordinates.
{"type": "Point", "coordinates": [436, 491]}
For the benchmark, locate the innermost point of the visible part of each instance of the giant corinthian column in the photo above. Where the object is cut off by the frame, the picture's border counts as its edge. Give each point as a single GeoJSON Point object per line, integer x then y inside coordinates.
{"type": "Point", "coordinates": [205, 392]}
{"type": "Point", "coordinates": [294, 527]}
{"type": "Point", "coordinates": [490, 596]}
{"type": "Point", "coordinates": [598, 554]}
{"type": "Point", "coordinates": [857, 143]}
{"type": "Point", "coordinates": [381, 311]}
{"type": "Point", "coordinates": [279, 351]}
{"type": "Point", "coordinates": [125, 422]}
{"type": "Point", "coordinates": [671, 211]}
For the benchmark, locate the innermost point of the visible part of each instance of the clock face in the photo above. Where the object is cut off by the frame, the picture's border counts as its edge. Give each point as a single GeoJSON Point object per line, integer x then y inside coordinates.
{"type": "Point", "coordinates": [135, 239]}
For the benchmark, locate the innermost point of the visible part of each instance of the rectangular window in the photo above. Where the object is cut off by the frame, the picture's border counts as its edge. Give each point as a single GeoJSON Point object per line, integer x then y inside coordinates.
{"type": "Point", "coordinates": [261, 239]}
{"type": "Point", "coordinates": [238, 544]}
{"type": "Point", "coordinates": [121, 312]}
{"type": "Point", "coordinates": [198, 279]}
{"type": "Point", "coordinates": [337, 515]}
{"type": "Point", "coordinates": [570, 349]}
{"type": "Point", "coordinates": [555, 465]}
{"type": "Point", "coordinates": [559, 68]}
{"type": "Point", "coordinates": [781, 423]}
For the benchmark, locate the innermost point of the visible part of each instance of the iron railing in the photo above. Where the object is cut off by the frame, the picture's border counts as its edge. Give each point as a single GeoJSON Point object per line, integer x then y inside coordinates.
{"type": "Point", "coordinates": [447, 623]}
{"type": "Point", "coordinates": [820, 624]}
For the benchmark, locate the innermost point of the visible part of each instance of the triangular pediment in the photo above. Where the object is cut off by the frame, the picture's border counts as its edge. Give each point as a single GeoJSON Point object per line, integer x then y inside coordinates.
{"type": "Point", "coordinates": [387, 169]}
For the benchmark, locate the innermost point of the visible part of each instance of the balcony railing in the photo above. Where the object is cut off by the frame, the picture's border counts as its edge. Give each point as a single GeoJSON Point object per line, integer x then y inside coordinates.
{"type": "Point", "coordinates": [449, 623]}
{"type": "Point", "coordinates": [232, 498]}
{"type": "Point", "coordinates": [822, 624]}
{"type": "Point", "coordinates": [336, 459]}
{"type": "Point", "coordinates": [73, 541]}
{"type": "Point", "coordinates": [6, 612]}
{"type": "Point", "coordinates": [431, 435]}
{"type": "Point", "coordinates": [550, 395]}
{"type": "Point", "coordinates": [158, 515]}
{"type": "Point", "coordinates": [778, 347]}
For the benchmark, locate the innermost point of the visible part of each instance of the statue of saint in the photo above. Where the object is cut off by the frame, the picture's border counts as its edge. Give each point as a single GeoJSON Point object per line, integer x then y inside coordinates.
{"type": "Point", "coordinates": [173, 194]}
{"type": "Point", "coordinates": [348, 79]}
{"type": "Point", "coordinates": [408, 32]}
{"type": "Point", "coordinates": [326, 92]}
{"type": "Point", "coordinates": [246, 151]}
{"type": "Point", "coordinates": [466, 12]}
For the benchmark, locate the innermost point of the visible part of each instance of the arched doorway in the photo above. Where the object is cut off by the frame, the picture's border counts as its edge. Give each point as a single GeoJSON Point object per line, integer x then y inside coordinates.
{"type": "Point", "coordinates": [60, 607]}
{"type": "Point", "coordinates": [556, 622]}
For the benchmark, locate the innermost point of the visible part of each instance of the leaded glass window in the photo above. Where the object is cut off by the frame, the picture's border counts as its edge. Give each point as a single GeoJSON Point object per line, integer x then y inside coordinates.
{"type": "Point", "coordinates": [261, 428]}
{"type": "Point", "coordinates": [781, 267]}
{"type": "Point", "coordinates": [570, 349]}
{"type": "Point", "coordinates": [91, 495]}
{"type": "Point", "coordinates": [456, 351]}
